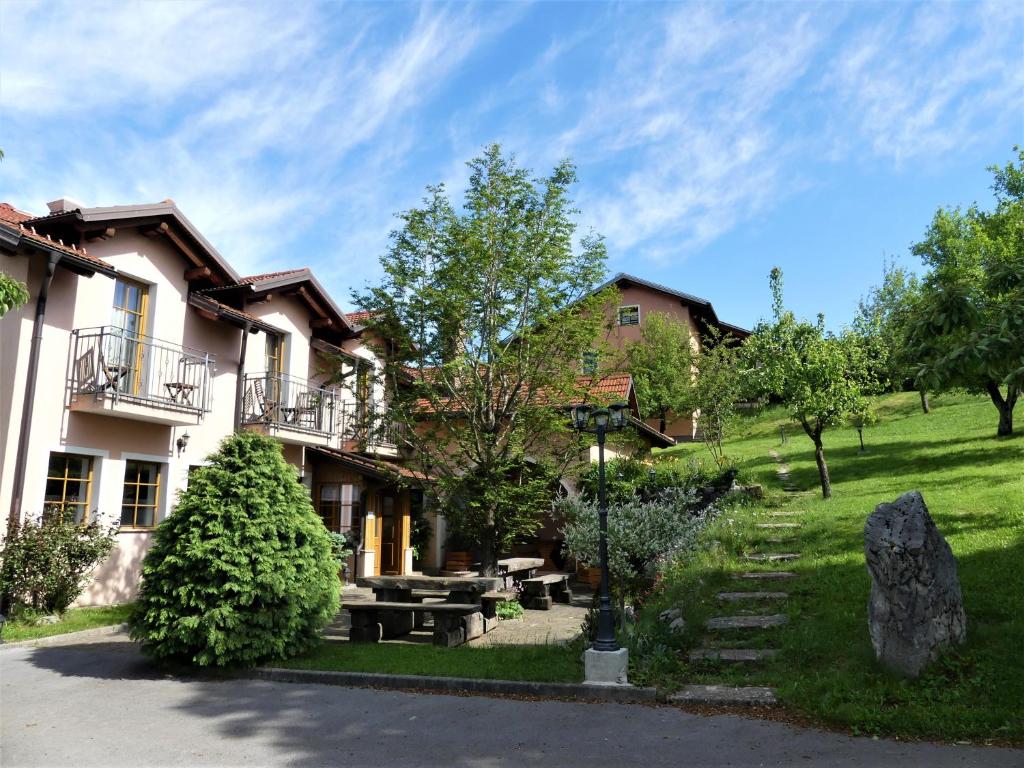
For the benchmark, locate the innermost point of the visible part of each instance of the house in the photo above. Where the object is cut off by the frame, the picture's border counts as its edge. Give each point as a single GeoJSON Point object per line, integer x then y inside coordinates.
{"type": "Point", "coordinates": [637, 299]}
{"type": "Point", "coordinates": [141, 349]}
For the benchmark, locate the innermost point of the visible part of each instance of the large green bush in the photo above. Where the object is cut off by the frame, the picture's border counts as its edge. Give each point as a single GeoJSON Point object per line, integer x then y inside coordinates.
{"type": "Point", "coordinates": [46, 562]}
{"type": "Point", "coordinates": [242, 571]}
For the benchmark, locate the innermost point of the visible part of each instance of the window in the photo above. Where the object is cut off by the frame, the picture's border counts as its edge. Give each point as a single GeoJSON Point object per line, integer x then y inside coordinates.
{"type": "Point", "coordinates": [629, 315]}
{"type": "Point", "coordinates": [589, 364]}
{"type": "Point", "coordinates": [69, 486]}
{"type": "Point", "coordinates": [338, 505]}
{"type": "Point", "coordinates": [124, 353]}
{"type": "Point", "coordinates": [275, 354]}
{"type": "Point", "coordinates": [141, 494]}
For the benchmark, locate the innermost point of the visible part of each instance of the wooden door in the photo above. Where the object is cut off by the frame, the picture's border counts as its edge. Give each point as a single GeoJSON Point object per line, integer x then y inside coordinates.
{"type": "Point", "coordinates": [389, 539]}
{"type": "Point", "coordinates": [124, 357]}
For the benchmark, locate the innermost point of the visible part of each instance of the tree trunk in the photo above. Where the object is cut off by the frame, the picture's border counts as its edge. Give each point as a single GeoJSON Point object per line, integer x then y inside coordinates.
{"type": "Point", "coordinates": [663, 425]}
{"type": "Point", "coordinates": [1004, 406]}
{"type": "Point", "coordinates": [925, 405]}
{"type": "Point", "coordinates": [819, 458]}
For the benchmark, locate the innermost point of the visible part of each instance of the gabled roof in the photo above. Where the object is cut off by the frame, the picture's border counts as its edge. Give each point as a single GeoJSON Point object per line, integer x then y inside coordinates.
{"type": "Point", "coordinates": [301, 282]}
{"type": "Point", "coordinates": [216, 310]}
{"type": "Point", "coordinates": [703, 306]}
{"type": "Point", "coordinates": [163, 218]}
{"type": "Point", "coordinates": [11, 214]}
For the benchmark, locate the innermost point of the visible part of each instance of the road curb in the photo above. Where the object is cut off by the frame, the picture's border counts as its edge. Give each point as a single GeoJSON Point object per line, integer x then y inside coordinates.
{"type": "Point", "coordinates": [67, 638]}
{"type": "Point", "coordinates": [624, 694]}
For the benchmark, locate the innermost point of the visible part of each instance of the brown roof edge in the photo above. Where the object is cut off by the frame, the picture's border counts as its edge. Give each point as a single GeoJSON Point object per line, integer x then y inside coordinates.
{"type": "Point", "coordinates": [15, 236]}
{"type": "Point", "coordinates": [276, 281]}
{"type": "Point", "coordinates": [380, 470]}
{"type": "Point", "coordinates": [660, 439]}
{"type": "Point", "coordinates": [230, 314]}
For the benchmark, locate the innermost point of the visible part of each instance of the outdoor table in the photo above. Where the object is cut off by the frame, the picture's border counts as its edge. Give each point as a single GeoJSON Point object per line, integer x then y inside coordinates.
{"type": "Point", "coordinates": [513, 569]}
{"type": "Point", "coordinates": [461, 589]}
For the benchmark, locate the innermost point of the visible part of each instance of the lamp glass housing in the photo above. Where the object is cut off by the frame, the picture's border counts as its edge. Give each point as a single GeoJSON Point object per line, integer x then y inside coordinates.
{"type": "Point", "coordinates": [618, 415]}
{"type": "Point", "coordinates": [580, 416]}
{"type": "Point", "coordinates": [601, 417]}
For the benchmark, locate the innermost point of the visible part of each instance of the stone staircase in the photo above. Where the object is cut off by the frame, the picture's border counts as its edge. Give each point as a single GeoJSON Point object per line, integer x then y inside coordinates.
{"type": "Point", "coordinates": [728, 643]}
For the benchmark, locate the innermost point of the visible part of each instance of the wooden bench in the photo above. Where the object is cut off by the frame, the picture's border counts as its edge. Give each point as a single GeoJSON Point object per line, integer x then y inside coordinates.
{"type": "Point", "coordinates": [489, 602]}
{"type": "Point", "coordinates": [454, 623]}
{"type": "Point", "coordinates": [540, 592]}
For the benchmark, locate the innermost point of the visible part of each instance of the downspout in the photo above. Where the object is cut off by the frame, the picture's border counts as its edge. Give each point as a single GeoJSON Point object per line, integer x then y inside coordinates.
{"type": "Point", "coordinates": [240, 382]}
{"type": "Point", "coordinates": [24, 433]}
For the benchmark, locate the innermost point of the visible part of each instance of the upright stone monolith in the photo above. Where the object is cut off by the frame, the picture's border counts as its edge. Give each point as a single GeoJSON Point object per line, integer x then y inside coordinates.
{"type": "Point", "coordinates": [916, 608]}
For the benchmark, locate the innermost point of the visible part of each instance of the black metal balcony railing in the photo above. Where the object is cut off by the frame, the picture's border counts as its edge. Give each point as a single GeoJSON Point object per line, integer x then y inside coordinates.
{"type": "Point", "coordinates": [367, 425]}
{"type": "Point", "coordinates": [288, 401]}
{"type": "Point", "coordinates": [111, 362]}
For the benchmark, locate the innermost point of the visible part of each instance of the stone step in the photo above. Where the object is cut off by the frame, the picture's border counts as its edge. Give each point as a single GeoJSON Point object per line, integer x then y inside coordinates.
{"type": "Point", "coordinates": [748, 622]}
{"type": "Point", "coordinates": [724, 694]}
{"type": "Point", "coordinates": [784, 514]}
{"type": "Point", "coordinates": [776, 526]}
{"type": "Point", "coordinates": [780, 540]}
{"type": "Point", "coordinates": [733, 654]}
{"type": "Point", "coordinates": [768, 575]}
{"type": "Point", "coordinates": [735, 597]}
{"type": "Point", "coordinates": [771, 557]}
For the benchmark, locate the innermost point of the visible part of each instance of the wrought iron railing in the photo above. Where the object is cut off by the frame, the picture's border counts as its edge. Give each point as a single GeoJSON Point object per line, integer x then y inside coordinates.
{"type": "Point", "coordinates": [288, 401]}
{"type": "Point", "coordinates": [111, 362]}
{"type": "Point", "coordinates": [367, 425]}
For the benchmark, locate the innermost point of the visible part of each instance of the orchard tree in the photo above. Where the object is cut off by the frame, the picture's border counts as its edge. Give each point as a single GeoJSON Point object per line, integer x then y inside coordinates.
{"type": "Point", "coordinates": [820, 378]}
{"type": "Point", "coordinates": [662, 365]}
{"type": "Point", "coordinates": [883, 322]}
{"type": "Point", "coordinates": [969, 329]}
{"type": "Point", "coordinates": [13, 294]}
{"type": "Point", "coordinates": [487, 313]}
{"type": "Point", "coordinates": [717, 388]}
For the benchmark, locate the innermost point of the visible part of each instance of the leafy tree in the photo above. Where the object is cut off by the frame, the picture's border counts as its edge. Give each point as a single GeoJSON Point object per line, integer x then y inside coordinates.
{"type": "Point", "coordinates": [13, 294]}
{"type": "Point", "coordinates": [243, 570]}
{"type": "Point", "coordinates": [717, 388]}
{"type": "Point", "coordinates": [487, 315]}
{"type": "Point", "coordinates": [883, 322]}
{"type": "Point", "coordinates": [662, 364]}
{"type": "Point", "coordinates": [46, 562]}
{"type": "Point", "coordinates": [821, 378]}
{"type": "Point", "coordinates": [969, 329]}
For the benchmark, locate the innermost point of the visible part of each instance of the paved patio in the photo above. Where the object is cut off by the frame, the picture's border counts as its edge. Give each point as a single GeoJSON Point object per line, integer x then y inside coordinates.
{"type": "Point", "coordinates": [561, 624]}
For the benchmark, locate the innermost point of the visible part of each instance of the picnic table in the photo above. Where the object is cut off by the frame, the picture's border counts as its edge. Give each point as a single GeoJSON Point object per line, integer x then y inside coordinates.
{"type": "Point", "coordinates": [513, 569]}
{"type": "Point", "coordinates": [460, 589]}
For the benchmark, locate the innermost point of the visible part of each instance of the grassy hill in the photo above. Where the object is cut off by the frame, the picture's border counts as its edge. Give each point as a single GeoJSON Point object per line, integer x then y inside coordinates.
{"type": "Point", "coordinates": [973, 484]}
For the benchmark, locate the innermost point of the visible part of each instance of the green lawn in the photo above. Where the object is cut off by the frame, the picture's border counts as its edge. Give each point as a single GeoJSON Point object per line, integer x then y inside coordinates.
{"type": "Point", "coordinates": [973, 484]}
{"type": "Point", "coordinates": [543, 663]}
{"type": "Point", "coordinates": [73, 620]}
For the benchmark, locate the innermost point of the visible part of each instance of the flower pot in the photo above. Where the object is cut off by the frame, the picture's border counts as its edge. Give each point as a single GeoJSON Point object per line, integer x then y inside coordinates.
{"type": "Point", "coordinates": [589, 576]}
{"type": "Point", "coordinates": [458, 561]}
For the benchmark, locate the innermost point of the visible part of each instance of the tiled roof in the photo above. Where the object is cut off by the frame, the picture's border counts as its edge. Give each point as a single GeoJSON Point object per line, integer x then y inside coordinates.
{"type": "Point", "coordinates": [357, 317]}
{"type": "Point", "coordinates": [250, 279]}
{"type": "Point", "coordinates": [615, 387]}
{"type": "Point", "coordinates": [9, 213]}
{"type": "Point", "coordinates": [31, 235]}
{"type": "Point", "coordinates": [231, 310]}
{"type": "Point", "coordinates": [373, 467]}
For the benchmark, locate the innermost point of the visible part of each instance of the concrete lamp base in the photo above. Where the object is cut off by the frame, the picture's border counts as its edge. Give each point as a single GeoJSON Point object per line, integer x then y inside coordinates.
{"type": "Point", "coordinates": [605, 667]}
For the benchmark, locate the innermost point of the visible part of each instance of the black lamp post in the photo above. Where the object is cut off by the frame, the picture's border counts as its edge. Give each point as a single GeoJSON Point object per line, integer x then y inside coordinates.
{"type": "Point", "coordinates": [610, 419]}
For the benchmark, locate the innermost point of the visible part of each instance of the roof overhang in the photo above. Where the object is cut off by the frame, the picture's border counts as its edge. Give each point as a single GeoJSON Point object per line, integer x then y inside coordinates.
{"type": "Point", "coordinates": [14, 240]}
{"type": "Point", "coordinates": [372, 468]}
{"type": "Point", "coordinates": [215, 310]}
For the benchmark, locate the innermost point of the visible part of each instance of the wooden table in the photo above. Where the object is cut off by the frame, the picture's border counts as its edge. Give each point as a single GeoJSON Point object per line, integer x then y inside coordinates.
{"type": "Point", "coordinates": [461, 589]}
{"type": "Point", "coordinates": [513, 569]}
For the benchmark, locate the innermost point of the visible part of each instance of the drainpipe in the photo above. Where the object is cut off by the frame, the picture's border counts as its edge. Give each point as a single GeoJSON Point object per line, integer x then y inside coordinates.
{"type": "Point", "coordinates": [240, 383]}
{"type": "Point", "coordinates": [30, 391]}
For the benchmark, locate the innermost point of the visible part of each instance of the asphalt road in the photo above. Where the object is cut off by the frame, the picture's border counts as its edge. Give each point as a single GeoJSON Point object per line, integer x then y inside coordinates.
{"type": "Point", "coordinates": [100, 704]}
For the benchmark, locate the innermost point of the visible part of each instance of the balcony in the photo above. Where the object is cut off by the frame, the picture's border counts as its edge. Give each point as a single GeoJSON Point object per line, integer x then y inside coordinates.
{"type": "Point", "coordinates": [291, 409]}
{"type": "Point", "coordinates": [117, 373]}
{"type": "Point", "coordinates": [364, 427]}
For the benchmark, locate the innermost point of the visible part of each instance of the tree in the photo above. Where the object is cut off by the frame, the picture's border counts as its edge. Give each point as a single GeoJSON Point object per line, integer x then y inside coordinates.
{"type": "Point", "coordinates": [883, 322]}
{"type": "Point", "coordinates": [820, 378]}
{"type": "Point", "coordinates": [717, 388]}
{"type": "Point", "coordinates": [243, 570]}
{"type": "Point", "coordinates": [13, 294]}
{"type": "Point", "coordinates": [662, 365]}
{"type": "Point", "coordinates": [969, 329]}
{"type": "Point", "coordinates": [487, 315]}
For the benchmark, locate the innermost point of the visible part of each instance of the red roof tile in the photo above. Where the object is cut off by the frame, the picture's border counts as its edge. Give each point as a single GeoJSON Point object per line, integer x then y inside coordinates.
{"type": "Point", "coordinates": [270, 276]}
{"type": "Point", "coordinates": [9, 213]}
{"type": "Point", "coordinates": [357, 317]}
{"type": "Point", "coordinates": [30, 234]}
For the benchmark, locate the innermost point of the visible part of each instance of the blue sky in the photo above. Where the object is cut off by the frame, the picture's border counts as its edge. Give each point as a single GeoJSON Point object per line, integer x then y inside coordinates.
{"type": "Point", "coordinates": [713, 141]}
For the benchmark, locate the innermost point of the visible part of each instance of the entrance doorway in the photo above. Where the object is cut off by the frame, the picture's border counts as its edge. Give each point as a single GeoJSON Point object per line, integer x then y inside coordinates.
{"type": "Point", "coordinates": [389, 560]}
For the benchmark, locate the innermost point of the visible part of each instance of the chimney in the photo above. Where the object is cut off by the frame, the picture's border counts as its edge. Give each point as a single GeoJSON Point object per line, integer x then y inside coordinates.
{"type": "Point", "coordinates": [64, 204]}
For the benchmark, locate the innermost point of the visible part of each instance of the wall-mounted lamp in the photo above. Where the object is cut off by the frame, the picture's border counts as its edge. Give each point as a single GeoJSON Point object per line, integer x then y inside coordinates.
{"type": "Point", "coordinates": [182, 443]}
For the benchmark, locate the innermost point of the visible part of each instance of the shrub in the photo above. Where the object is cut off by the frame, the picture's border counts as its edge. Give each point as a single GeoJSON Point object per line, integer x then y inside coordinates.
{"type": "Point", "coordinates": [641, 534]}
{"type": "Point", "coordinates": [46, 562]}
{"type": "Point", "coordinates": [628, 479]}
{"type": "Point", "coordinates": [510, 610]}
{"type": "Point", "coordinates": [243, 571]}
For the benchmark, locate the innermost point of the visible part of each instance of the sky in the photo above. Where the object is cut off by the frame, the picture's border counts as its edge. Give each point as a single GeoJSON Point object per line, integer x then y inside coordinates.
{"type": "Point", "coordinates": [712, 141]}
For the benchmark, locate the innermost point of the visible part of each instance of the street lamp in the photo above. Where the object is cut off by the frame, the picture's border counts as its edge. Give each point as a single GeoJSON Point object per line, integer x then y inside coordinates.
{"type": "Point", "coordinates": [610, 419]}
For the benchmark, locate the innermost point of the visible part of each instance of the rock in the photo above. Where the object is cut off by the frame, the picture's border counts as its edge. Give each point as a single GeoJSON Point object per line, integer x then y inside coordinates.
{"type": "Point", "coordinates": [678, 626]}
{"type": "Point", "coordinates": [916, 608]}
{"type": "Point", "coordinates": [669, 614]}
{"type": "Point", "coordinates": [40, 621]}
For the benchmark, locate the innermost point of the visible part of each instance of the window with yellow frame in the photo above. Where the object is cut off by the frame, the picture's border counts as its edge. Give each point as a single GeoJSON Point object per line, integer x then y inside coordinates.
{"type": "Point", "coordinates": [69, 486]}
{"type": "Point", "coordinates": [141, 494]}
